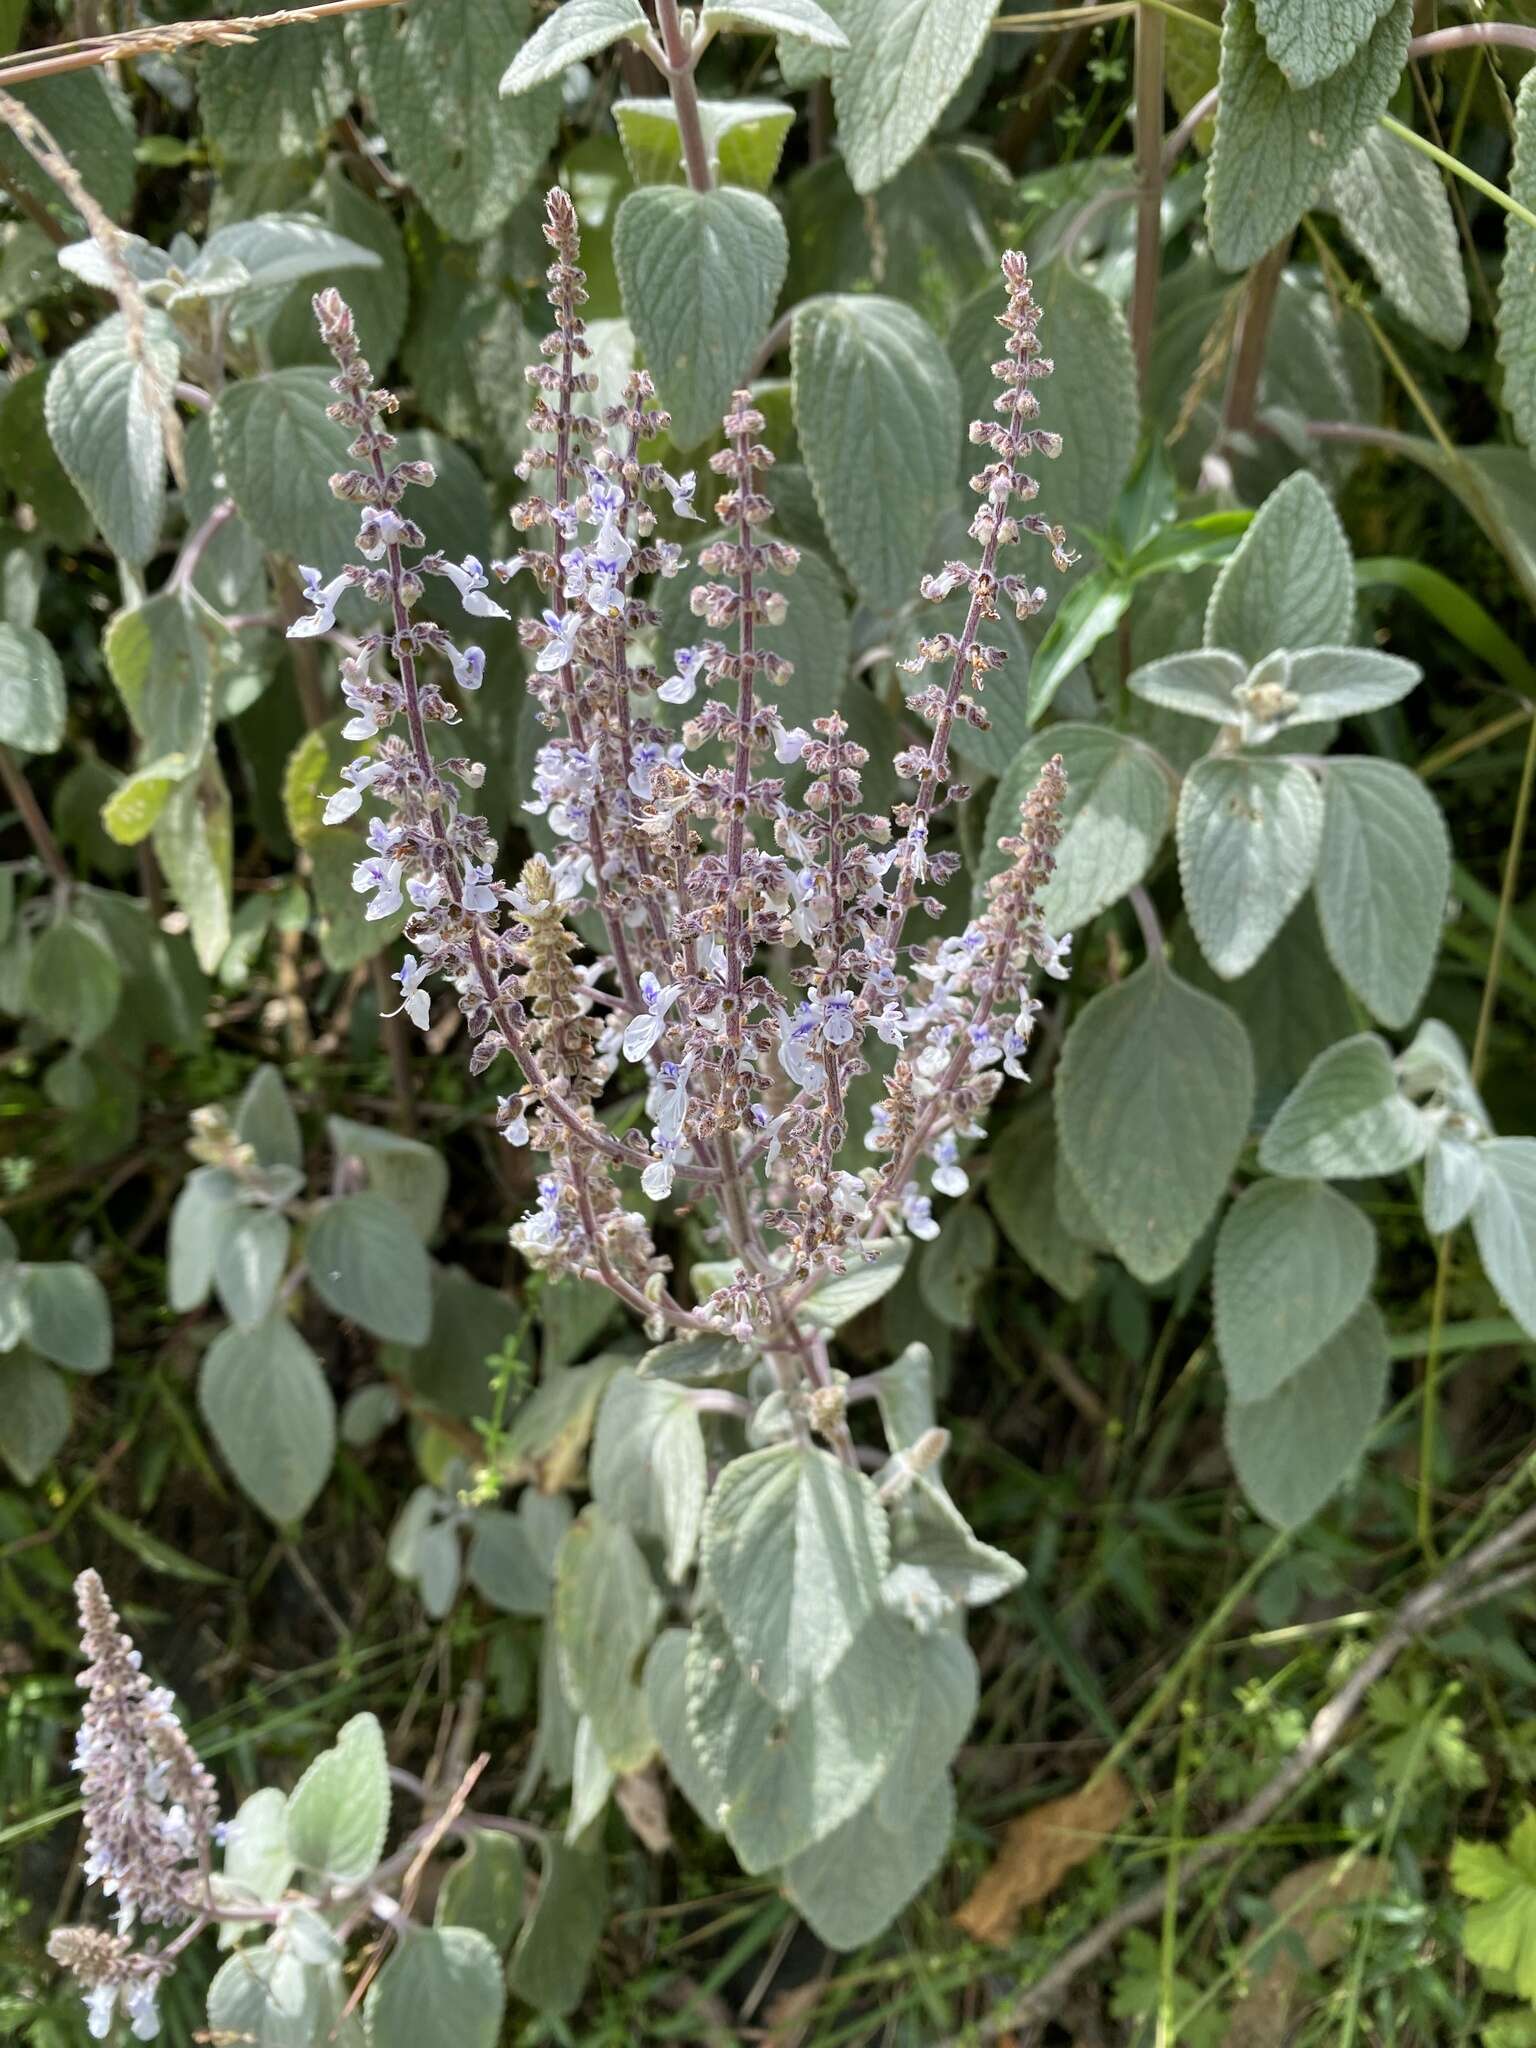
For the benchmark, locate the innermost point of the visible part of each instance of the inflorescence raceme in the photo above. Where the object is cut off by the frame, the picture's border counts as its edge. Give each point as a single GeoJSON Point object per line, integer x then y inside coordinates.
{"type": "Point", "coordinates": [757, 950]}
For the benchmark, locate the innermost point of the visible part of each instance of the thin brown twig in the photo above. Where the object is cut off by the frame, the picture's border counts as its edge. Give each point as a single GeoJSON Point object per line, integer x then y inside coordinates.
{"type": "Point", "coordinates": [165, 40]}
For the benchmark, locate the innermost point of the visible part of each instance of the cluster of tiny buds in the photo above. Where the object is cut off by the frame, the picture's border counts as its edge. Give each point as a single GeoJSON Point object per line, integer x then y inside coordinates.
{"type": "Point", "coordinates": [709, 835]}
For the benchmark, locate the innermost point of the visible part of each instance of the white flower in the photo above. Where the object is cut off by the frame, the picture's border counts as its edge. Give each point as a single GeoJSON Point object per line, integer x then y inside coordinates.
{"type": "Point", "coordinates": [468, 666]}
{"type": "Point", "coordinates": [789, 743]}
{"type": "Point", "coordinates": [681, 489]}
{"type": "Point", "coordinates": [100, 2004]}
{"type": "Point", "coordinates": [850, 1197]}
{"type": "Point", "coordinates": [917, 1212]}
{"type": "Point", "coordinates": [358, 775]}
{"type": "Point", "coordinates": [478, 895]}
{"type": "Point", "coordinates": [642, 1032]}
{"type": "Point", "coordinates": [139, 2005]}
{"type": "Point", "coordinates": [324, 597]}
{"type": "Point", "coordinates": [892, 1026]}
{"type": "Point", "coordinates": [949, 1177]}
{"type": "Point", "coordinates": [382, 876]}
{"type": "Point", "coordinates": [512, 1116]}
{"type": "Point", "coordinates": [560, 649]}
{"type": "Point", "coordinates": [468, 579]}
{"type": "Point", "coordinates": [680, 686]}
{"type": "Point", "coordinates": [380, 528]}
{"type": "Point", "coordinates": [415, 1001]}
{"type": "Point", "coordinates": [1052, 954]}
{"type": "Point", "coordinates": [657, 1177]}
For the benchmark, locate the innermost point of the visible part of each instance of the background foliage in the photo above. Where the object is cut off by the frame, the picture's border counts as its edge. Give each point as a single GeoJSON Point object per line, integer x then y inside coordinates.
{"type": "Point", "coordinates": [1234, 1323]}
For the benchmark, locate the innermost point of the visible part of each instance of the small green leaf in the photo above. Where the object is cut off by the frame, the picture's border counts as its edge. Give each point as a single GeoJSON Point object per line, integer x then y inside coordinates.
{"type": "Point", "coordinates": [250, 1256]}
{"type": "Point", "coordinates": [205, 1194]}
{"type": "Point", "coordinates": [700, 273]}
{"type": "Point", "coordinates": [278, 450]}
{"type": "Point", "coordinates": [1345, 1118]}
{"type": "Point", "coordinates": [367, 1263]}
{"type": "Point", "coordinates": [73, 981]}
{"type": "Point", "coordinates": [503, 1564]}
{"type": "Point", "coordinates": [105, 408]}
{"type": "Point", "coordinates": [802, 19]}
{"type": "Point", "coordinates": [1118, 804]}
{"type": "Point", "coordinates": [905, 61]}
{"type": "Point", "coordinates": [837, 1301]}
{"type": "Point", "coordinates": [1499, 1933]}
{"type": "Point", "coordinates": [1152, 1108]}
{"type": "Point", "coordinates": [1294, 1260]}
{"type": "Point", "coordinates": [484, 1888]}
{"type": "Point", "coordinates": [744, 140]}
{"type": "Point", "coordinates": [693, 1359]}
{"type": "Point", "coordinates": [606, 1611]}
{"type": "Point", "coordinates": [1090, 398]}
{"type": "Point", "coordinates": [1086, 616]}
{"type": "Point", "coordinates": [559, 1939]}
{"type": "Point", "coordinates": [1022, 1191]}
{"type": "Point", "coordinates": [1345, 682]}
{"type": "Point", "coordinates": [648, 1465]}
{"type": "Point", "coordinates": [793, 1551]}
{"type": "Point", "coordinates": [265, 1120]}
{"type": "Point", "coordinates": [34, 1413]}
{"type": "Point", "coordinates": [954, 1266]}
{"type": "Point", "coordinates": [575, 31]}
{"type": "Point", "coordinates": [1295, 1448]}
{"type": "Point", "coordinates": [338, 1813]}
{"type": "Point", "coordinates": [31, 692]}
{"type": "Point", "coordinates": [1201, 684]}
{"type": "Point", "coordinates": [1391, 203]}
{"type": "Point", "coordinates": [1291, 580]}
{"type": "Point", "coordinates": [1278, 143]}
{"type": "Point", "coordinates": [265, 1399]}
{"type": "Point", "coordinates": [256, 1853]}
{"type": "Point", "coordinates": [666, 1700]}
{"type": "Point", "coordinates": [432, 74]}
{"type": "Point", "coordinates": [70, 1321]}
{"type": "Point", "coordinates": [1504, 1224]}
{"type": "Point", "coordinates": [940, 1564]}
{"type": "Point", "coordinates": [441, 1983]}
{"type": "Point", "coordinates": [1248, 835]}
{"type": "Point", "coordinates": [1383, 878]}
{"type": "Point", "coordinates": [877, 409]}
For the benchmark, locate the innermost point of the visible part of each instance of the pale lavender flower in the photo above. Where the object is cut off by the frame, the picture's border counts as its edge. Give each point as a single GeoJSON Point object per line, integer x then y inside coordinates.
{"type": "Point", "coordinates": [469, 580]}
{"type": "Point", "coordinates": [324, 597]}
{"type": "Point", "coordinates": [642, 1032]}
{"type": "Point", "coordinates": [383, 878]}
{"type": "Point", "coordinates": [415, 1001]}
{"type": "Point", "coordinates": [680, 686]}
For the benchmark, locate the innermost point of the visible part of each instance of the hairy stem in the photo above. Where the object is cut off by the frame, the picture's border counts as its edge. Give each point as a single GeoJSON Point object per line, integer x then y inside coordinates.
{"type": "Point", "coordinates": [678, 66]}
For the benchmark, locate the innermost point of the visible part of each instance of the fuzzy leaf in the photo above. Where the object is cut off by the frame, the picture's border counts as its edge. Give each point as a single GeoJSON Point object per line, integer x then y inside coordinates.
{"type": "Point", "coordinates": [1090, 399]}
{"type": "Point", "coordinates": [606, 1611]}
{"type": "Point", "coordinates": [441, 1983]}
{"type": "Point", "coordinates": [432, 74]}
{"type": "Point", "coordinates": [69, 1320]}
{"type": "Point", "coordinates": [802, 19]}
{"type": "Point", "coordinates": [1022, 1192]}
{"type": "Point", "coordinates": [1295, 1448]}
{"type": "Point", "coordinates": [838, 1300]}
{"type": "Point", "coordinates": [1311, 39]}
{"type": "Point", "coordinates": [1118, 805]}
{"type": "Point", "coordinates": [877, 409]}
{"type": "Point", "coordinates": [34, 1413]}
{"type": "Point", "coordinates": [73, 981]}
{"type": "Point", "coordinates": [107, 428]}
{"type": "Point", "coordinates": [905, 61]}
{"type": "Point", "coordinates": [793, 1550]}
{"type": "Point", "coordinates": [666, 1699]}
{"type": "Point", "coordinates": [1383, 877]}
{"type": "Point", "coordinates": [700, 274]}
{"type": "Point", "coordinates": [31, 692]}
{"type": "Point", "coordinates": [338, 1813]}
{"type": "Point", "coordinates": [250, 1256]}
{"type": "Point", "coordinates": [559, 1938]}
{"type": "Point", "coordinates": [1291, 580]}
{"type": "Point", "coordinates": [277, 449]}
{"type": "Point", "coordinates": [1201, 684]}
{"type": "Point", "coordinates": [1277, 145]}
{"type": "Point", "coordinates": [265, 1400]}
{"type": "Point", "coordinates": [1504, 1224]}
{"type": "Point", "coordinates": [1345, 1118]}
{"type": "Point", "coordinates": [1294, 1260]}
{"type": "Point", "coordinates": [648, 1465]}
{"type": "Point", "coordinates": [366, 1262]}
{"type": "Point", "coordinates": [1248, 835]}
{"type": "Point", "coordinates": [1517, 286]}
{"type": "Point", "coordinates": [484, 1888]}
{"type": "Point", "coordinates": [575, 31]}
{"type": "Point", "coordinates": [275, 95]}
{"type": "Point", "coordinates": [744, 140]}
{"type": "Point", "coordinates": [503, 1564]}
{"type": "Point", "coordinates": [850, 1886]}
{"type": "Point", "coordinates": [1391, 203]}
{"type": "Point", "coordinates": [1152, 1108]}
{"type": "Point", "coordinates": [1346, 682]}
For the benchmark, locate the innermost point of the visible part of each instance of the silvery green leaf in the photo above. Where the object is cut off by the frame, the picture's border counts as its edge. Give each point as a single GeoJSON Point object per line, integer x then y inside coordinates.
{"type": "Point", "coordinates": [250, 1256]}
{"type": "Point", "coordinates": [34, 1413]}
{"type": "Point", "coordinates": [277, 449]}
{"type": "Point", "coordinates": [408, 1173]}
{"type": "Point", "coordinates": [193, 839]}
{"type": "Point", "coordinates": [264, 1397]}
{"type": "Point", "coordinates": [946, 1686]}
{"type": "Point", "coordinates": [786, 1780]}
{"type": "Point", "coordinates": [257, 1858]}
{"type": "Point", "coordinates": [572, 33]}
{"type": "Point", "coordinates": [850, 1886]}
{"type": "Point", "coordinates": [904, 1393]}
{"type": "Point", "coordinates": [905, 61]}
{"type": "Point", "coordinates": [438, 1984]}
{"type": "Point", "coordinates": [1344, 682]}
{"type": "Point", "coordinates": [422, 1506]}
{"type": "Point", "coordinates": [1517, 284]}
{"type": "Point", "coordinates": [1345, 1118]}
{"type": "Point", "coordinates": [1277, 144]}
{"type": "Point", "coordinates": [592, 1779]}
{"type": "Point", "coordinates": [793, 1551]}
{"type": "Point", "coordinates": [744, 140]}
{"type": "Point", "coordinates": [270, 249]}
{"type": "Point", "coordinates": [484, 1887]}
{"type": "Point", "coordinates": [74, 981]}
{"type": "Point", "coordinates": [559, 1938]}
{"type": "Point", "coordinates": [432, 74]}
{"type": "Point", "coordinates": [265, 1119]}
{"type": "Point", "coordinates": [266, 1997]}
{"type": "Point", "coordinates": [837, 1301]}
{"type": "Point", "coordinates": [1201, 684]}
{"type": "Point", "coordinates": [1023, 1191]}
{"type": "Point", "coordinates": [1454, 1172]}
{"type": "Point", "coordinates": [68, 1318]}
{"type": "Point", "coordinates": [606, 1611]}
{"type": "Point", "coordinates": [666, 1701]}
{"type": "Point", "coordinates": [1504, 1224]}
{"type": "Point", "coordinates": [504, 1565]}
{"type": "Point", "coordinates": [1290, 582]}
{"type": "Point", "coordinates": [1295, 1448]}
{"type": "Point", "coordinates": [953, 1267]}
{"type": "Point", "coordinates": [1090, 399]}
{"type": "Point", "coordinates": [276, 95]}
{"type": "Point", "coordinates": [1311, 39]}
{"type": "Point", "coordinates": [695, 1359]}
{"type": "Point", "coordinates": [1383, 878]}
{"type": "Point", "coordinates": [700, 273]}
{"type": "Point", "coordinates": [937, 1560]}
{"type": "Point", "coordinates": [367, 1263]}
{"type": "Point", "coordinates": [31, 692]}
{"type": "Point", "coordinates": [1248, 836]}
{"type": "Point", "coordinates": [90, 118]}
{"type": "Point", "coordinates": [875, 396]}
{"type": "Point", "coordinates": [88, 261]}
{"type": "Point", "coordinates": [1153, 1103]}
{"type": "Point", "coordinates": [338, 1813]}
{"type": "Point", "coordinates": [1435, 1065]}
{"type": "Point", "coordinates": [1391, 203]}
{"type": "Point", "coordinates": [1294, 1260]}
{"type": "Point", "coordinates": [648, 1465]}
{"type": "Point", "coordinates": [545, 1517]}
{"type": "Point", "coordinates": [105, 408]}
{"type": "Point", "coordinates": [205, 1193]}
{"type": "Point", "coordinates": [436, 1565]}
{"type": "Point", "coordinates": [802, 19]}
{"type": "Point", "coordinates": [1118, 805]}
